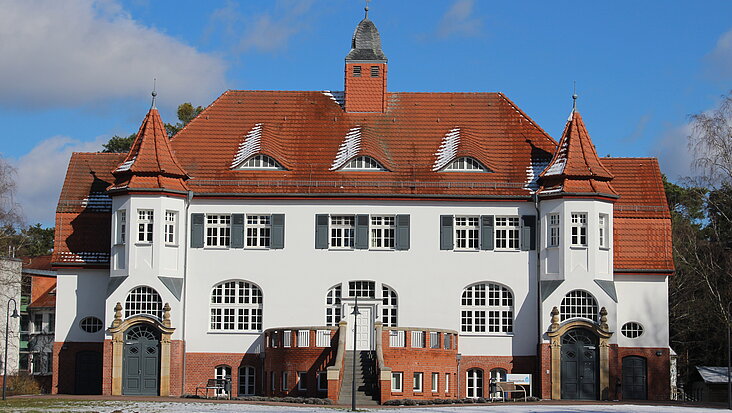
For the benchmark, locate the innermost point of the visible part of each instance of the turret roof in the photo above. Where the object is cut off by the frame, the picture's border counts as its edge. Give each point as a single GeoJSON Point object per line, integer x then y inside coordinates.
{"type": "Point", "coordinates": [366, 42]}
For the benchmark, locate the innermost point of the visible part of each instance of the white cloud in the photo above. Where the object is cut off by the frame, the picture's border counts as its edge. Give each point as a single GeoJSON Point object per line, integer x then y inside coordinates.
{"type": "Point", "coordinates": [41, 172]}
{"type": "Point", "coordinates": [719, 60]}
{"type": "Point", "coordinates": [460, 21]}
{"type": "Point", "coordinates": [80, 52]}
{"type": "Point", "coordinates": [674, 155]}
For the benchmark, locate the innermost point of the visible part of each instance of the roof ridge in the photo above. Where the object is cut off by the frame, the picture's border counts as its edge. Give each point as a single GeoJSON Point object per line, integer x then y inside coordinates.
{"type": "Point", "coordinates": [536, 125]}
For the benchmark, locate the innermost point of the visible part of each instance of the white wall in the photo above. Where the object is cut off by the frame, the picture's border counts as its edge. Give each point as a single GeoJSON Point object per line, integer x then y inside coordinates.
{"type": "Point", "coordinates": [79, 294]}
{"type": "Point", "coordinates": [643, 299]}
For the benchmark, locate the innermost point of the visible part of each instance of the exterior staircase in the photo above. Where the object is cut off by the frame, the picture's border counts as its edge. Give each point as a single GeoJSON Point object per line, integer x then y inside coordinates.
{"type": "Point", "coordinates": [365, 375]}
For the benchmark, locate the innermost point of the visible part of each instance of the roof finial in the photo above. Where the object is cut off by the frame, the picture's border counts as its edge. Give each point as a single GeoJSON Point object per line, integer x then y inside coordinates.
{"type": "Point", "coordinates": [154, 93]}
{"type": "Point", "coordinates": [366, 9]}
{"type": "Point", "coordinates": [574, 97]}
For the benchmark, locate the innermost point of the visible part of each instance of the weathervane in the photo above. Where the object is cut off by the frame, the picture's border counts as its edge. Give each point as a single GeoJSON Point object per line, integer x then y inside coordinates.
{"type": "Point", "coordinates": [574, 97]}
{"type": "Point", "coordinates": [366, 9]}
{"type": "Point", "coordinates": [154, 93]}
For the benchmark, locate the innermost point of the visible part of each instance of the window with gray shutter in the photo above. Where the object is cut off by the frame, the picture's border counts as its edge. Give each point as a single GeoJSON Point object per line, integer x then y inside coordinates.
{"type": "Point", "coordinates": [362, 232]}
{"type": "Point", "coordinates": [196, 230]}
{"type": "Point", "coordinates": [486, 232]}
{"type": "Point", "coordinates": [446, 235]}
{"type": "Point", "coordinates": [402, 232]}
{"type": "Point", "coordinates": [278, 231]}
{"type": "Point", "coordinates": [528, 232]}
{"type": "Point", "coordinates": [321, 231]}
{"type": "Point", "coordinates": [237, 230]}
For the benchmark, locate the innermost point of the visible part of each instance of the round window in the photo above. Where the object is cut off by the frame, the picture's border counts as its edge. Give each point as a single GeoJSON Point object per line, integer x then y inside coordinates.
{"type": "Point", "coordinates": [632, 329]}
{"type": "Point", "coordinates": [91, 324]}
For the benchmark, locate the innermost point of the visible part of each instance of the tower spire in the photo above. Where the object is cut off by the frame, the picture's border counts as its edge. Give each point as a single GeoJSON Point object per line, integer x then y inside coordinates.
{"type": "Point", "coordinates": [366, 9]}
{"type": "Point", "coordinates": [574, 98]}
{"type": "Point", "coordinates": [154, 94]}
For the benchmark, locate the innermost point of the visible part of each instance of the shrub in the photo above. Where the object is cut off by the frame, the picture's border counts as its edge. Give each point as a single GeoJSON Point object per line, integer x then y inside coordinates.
{"type": "Point", "coordinates": [480, 400]}
{"type": "Point", "coordinates": [393, 402]}
{"type": "Point", "coordinates": [23, 383]}
{"type": "Point", "coordinates": [423, 402]}
{"type": "Point", "coordinates": [410, 402]}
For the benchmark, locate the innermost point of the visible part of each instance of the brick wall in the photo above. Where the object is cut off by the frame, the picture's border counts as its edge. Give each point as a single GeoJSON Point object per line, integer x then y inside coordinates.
{"type": "Point", "coordinates": [512, 364]}
{"type": "Point", "coordinates": [658, 380]}
{"type": "Point", "coordinates": [365, 93]}
{"type": "Point", "coordinates": [202, 366]}
{"type": "Point", "coordinates": [64, 365]}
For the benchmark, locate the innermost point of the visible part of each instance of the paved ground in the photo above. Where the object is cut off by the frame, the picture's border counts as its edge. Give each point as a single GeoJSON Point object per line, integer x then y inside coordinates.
{"type": "Point", "coordinates": [162, 405]}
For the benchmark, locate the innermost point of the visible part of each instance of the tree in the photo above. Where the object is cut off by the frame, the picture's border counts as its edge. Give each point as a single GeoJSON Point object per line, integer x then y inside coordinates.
{"type": "Point", "coordinates": [10, 211]}
{"type": "Point", "coordinates": [118, 144]}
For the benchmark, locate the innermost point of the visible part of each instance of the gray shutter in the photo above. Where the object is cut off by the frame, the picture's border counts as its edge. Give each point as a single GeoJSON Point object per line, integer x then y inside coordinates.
{"type": "Point", "coordinates": [196, 230]}
{"type": "Point", "coordinates": [277, 240]}
{"type": "Point", "coordinates": [362, 232]}
{"type": "Point", "coordinates": [237, 230]}
{"type": "Point", "coordinates": [487, 235]}
{"type": "Point", "coordinates": [446, 242]}
{"type": "Point", "coordinates": [402, 232]}
{"type": "Point", "coordinates": [321, 231]}
{"type": "Point", "coordinates": [528, 232]}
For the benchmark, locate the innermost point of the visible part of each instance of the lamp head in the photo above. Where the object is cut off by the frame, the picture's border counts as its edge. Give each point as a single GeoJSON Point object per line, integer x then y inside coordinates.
{"type": "Point", "coordinates": [15, 313]}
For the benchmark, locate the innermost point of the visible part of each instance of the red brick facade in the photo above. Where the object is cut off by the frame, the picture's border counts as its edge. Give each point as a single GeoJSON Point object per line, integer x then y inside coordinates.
{"type": "Point", "coordinates": [64, 362]}
{"type": "Point", "coordinates": [366, 93]}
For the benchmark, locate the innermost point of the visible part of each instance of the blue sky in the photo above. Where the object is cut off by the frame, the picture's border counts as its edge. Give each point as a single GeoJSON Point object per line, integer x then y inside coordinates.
{"type": "Point", "coordinates": [76, 72]}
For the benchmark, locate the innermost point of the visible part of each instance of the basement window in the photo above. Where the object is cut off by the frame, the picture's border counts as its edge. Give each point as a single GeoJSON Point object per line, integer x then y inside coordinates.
{"type": "Point", "coordinates": [356, 71]}
{"type": "Point", "coordinates": [374, 71]}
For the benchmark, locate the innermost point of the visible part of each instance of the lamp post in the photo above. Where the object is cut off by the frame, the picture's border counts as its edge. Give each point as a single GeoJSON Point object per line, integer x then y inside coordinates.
{"type": "Point", "coordinates": [7, 324]}
{"type": "Point", "coordinates": [355, 313]}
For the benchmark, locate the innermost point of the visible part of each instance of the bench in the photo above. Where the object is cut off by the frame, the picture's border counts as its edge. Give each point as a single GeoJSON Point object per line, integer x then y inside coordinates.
{"type": "Point", "coordinates": [216, 385]}
{"type": "Point", "coordinates": [506, 387]}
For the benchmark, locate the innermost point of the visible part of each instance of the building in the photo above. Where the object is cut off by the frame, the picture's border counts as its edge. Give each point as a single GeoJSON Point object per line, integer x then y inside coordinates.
{"type": "Point", "coordinates": [10, 286]}
{"type": "Point", "coordinates": [472, 243]}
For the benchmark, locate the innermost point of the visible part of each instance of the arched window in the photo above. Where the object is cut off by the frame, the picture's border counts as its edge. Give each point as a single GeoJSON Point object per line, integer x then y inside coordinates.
{"type": "Point", "coordinates": [465, 164]}
{"type": "Point", "coordinates": [578, 304]}
{"type": "Point", "coordinates": [223, 372]}
{"type": "Point", "coordinates": [261, 162]}
{"type": "Point", "coordinates": [475, 383]}
{"type": "Point", "coordinates": [363, 163]}
{"type": "Point", "coordinates": [487, 308]}
{"type": "Point", "coordinates": [246, 380]}
{"type": "Point", "coordinates": [333, 306]}
{"type": "Point", "coordinates": [498, 374]}
{"type": "Point", "coordinates": [144, 300]}
{"type": "Point", "coordinates": [389, 306]}
{"type": "Point", "coordinates": [236, 306]}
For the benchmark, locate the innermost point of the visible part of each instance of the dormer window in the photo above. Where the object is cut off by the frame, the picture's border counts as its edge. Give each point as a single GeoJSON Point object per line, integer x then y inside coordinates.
{"type": "Point", "coordinates": [465, 164]}
{"type": "Point", "coordinates": [261, 162]}
{"type": "Point", "coordinates": [363, 163]}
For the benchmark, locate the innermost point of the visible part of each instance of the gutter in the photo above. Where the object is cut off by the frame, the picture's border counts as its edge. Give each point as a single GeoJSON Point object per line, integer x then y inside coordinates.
{"type": "Point", "coordinates": [189, 197]}
{"type": "Point", "coordinates": [538, 285]}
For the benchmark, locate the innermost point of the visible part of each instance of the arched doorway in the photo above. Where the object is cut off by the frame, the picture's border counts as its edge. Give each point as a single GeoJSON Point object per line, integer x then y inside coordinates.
{"type": "Point", "coordinates": [141, 361]}
{"type": "Point", "coordinates": [580, 365]}
{"type": "Point", "coordinates": [634, 378]}
{"type": "Point", "coordinates": [88, 373]}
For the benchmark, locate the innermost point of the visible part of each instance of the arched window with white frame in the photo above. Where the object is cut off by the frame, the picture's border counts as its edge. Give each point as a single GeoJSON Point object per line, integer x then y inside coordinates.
{"type": "Point", "coordinates": [474, 383]}
{"type": "Point", "coordinates": [486, 308]}
{"type": "Point", "coordinates": [261, 161]}
{"type": "Point", "coordinates": [247, 380]}
{"type": "Point", "coordinates": [236, 305]}
{"type": "Point", "coordinates": [144, 300]}
{"type": "Point", "coordinates": [389, 306]}
{"type": "Point", "coordinates": [466, 164]}
{"type": "Point", "coordinates": [333, 306]}
{"type": "Point", "coordinates": [223, 372]}
{"type": "Point", "coordinates": [578, 304]}
{"type": "Point", "coordinates": [363, 163]}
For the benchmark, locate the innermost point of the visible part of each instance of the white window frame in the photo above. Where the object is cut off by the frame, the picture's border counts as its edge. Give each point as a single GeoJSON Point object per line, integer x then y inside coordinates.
{"type": "Point", "coordinates": [363, 163]}
{"type": "Point", "coordinates": [578, 233]}
{"type": "Point", "coordinates": [170, 228]}
{"type": "Point", "coordinates": [474, 383]}
{"type": "Point", "coordinates": [579, 304]}
{"type": "Point", "coordinates": [247, 380]}
{"type": "Point", "coordinates": [143, 300]}
{"type": "Point", "coordinates": [302, 380]}
{"type": "Point", "coordinates": [91, 324]}
{"type": "Point", "coordinates": [222, 371]}
{"type": "Point", "coordinates": [467, 233]}
{"type": "Point", "coordinates": [333, 306]}
{"type": "Point", "coordinates": [236, 306]}
{"type": "Point", "coordinates": [632, 329]}
{"type": "Point", "coordinates": [418, 382]}
{"type": "Point", "coordinates": [447, 383]}
{"type": "Point", "coordinates": [553, 230]}
{"type": "Point", "coordinates": [507, 233]}
{"type": "Point", "coordinates": [258, 231]}
{"type": "Point", "coordinates": [261, 161]}
{"type": "Point", "coordinates": [382, 232]}
{"type": "Point", "coordinates": [487, 308]}
{"type": "Point", "coordinates": [465, 164]}
{"type": "Point", "coordinates": [362, 288]}
{"type": "Point", "coordinates": [397, 381]}
{"type": "Point", "coordinates": [342, 232]}
{"type": "Point", "coordinates": [145, 225]}
{"type": "Point", "coordinates": [218, 230]}
{"type": "Point", "coordinates": [435, 382]}
{"type": "Point", "coordinates": [389, 306]}
{"type": "Point", "coordinates": [121, 227]}
{"type": "Point", "coordinates": [604, 231]}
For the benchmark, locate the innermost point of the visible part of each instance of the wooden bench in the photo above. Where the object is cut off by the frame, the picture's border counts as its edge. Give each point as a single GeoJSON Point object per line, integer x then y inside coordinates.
{"type": "Point", "coordinates": [509, 387]}
{"type": "Point", "coordinates": [216, 385]}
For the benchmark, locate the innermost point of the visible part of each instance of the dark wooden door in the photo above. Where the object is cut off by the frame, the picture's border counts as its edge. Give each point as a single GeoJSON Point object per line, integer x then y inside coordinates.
{"type": "Point", "coordinates": [141, 361]}
{"type": "Point", "coordinates": [579, 365]}
{"type": "Point", "coordinates": [634, 378]}
{"type": "Point", "coordinates": [88, 373]}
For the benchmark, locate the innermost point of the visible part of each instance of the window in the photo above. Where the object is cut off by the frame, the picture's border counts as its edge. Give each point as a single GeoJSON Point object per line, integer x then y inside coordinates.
{"type": "Point", "coordinates": [236, 306]}
{"type": "Point", "coordinates": [121, 227]}
{"type": "Point", "coordinates": [363, 163]}
{"type": "Point", "coordinates": [246, 381]}
{"type": "Point", "coordinates": [553, 230]}
{"type": "Point", "coordinates": [261, 162]}
{"type": "Point", "coordinates": [218, 230]}
{"type": "Point", "coordinates": [632, 329]}
{"type": "Point", "coordinates": [273, 381]}
{"type": "Point", "coordinates": [498, 374]}
{"type": "Point", "coordinates": [356, 71]}
{"type": "Point", "coordinates": [487, 307]}
{"type": "Point", "coordinates": [90, 324]}
{"type": "Point", "coordinates": [171, 217]}
{"type": "Point", "coordinates": [417, 384]}
{"type": "Point", "coordinates": [465, 164]}
{"type": "Point", "coordinates": [604, 231]}
{"type": "Point", "coordinates": [579, 229]}
{"type": "Point", "coordinates": [578, 304]}
{"type": "Point", "coordinates": [475, 383]}
{"type": "Point", "coordinates": [38, 323]}
{"type": "Point", "coordinates": [285, 386]}
{"type": "Point", "coordinates": [435, 380]}
{"type": "Point", "coordinates": [342, 229]}
{"type": "Point", "coordinates": [51, 322]}
{"type": "Point", "coordinates": [507, 233]}
{"type": "Point", "coordinates": [144, 225]}
{"type": "Point", "coordinates": [447, 383]}
{"type": "Point", "coordinates": [467, 233]}
{"type": "Point", "coordinates": [397, 378]}
{"type": "Point", "coordinates": [333, 306]}
{"type": "Point", "coordinates": [144, 300]}
{"type": "Point", "coordinates": [223, 373]}
{"type": "Point", "coordinates": [389, 306]}
{"type": "Point", "coordinates": [365, 289]}
{"type": "Point", "coordinates": [382, 232]}
{"type": "Point", "coordinates": [302, 380]}
{"type": "Point", "coordinates": [322, 381]}
{"type": "Point", "coordinates": [374, 71]}
{"type": "Point", "coordinates": [259, 229]}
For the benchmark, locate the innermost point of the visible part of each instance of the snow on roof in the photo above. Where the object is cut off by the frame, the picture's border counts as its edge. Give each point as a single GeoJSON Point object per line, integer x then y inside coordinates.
{"type": "Point", "coordinates": [557, 167]}
{"type": "Point", "coordinates": [448, 149]}
{"type": "Point", "coordinates": [125, 166]}
{"type": "Point", "coordinates": [249, 146]}
{"type": "Point", "coordinates": [349, 148]}
{"type": "Point", "coordinates": [338, 97]}
{"type": "Point", "coordinates": [533, 170]}
{"type": "Point", "coordinates": [713, 374]}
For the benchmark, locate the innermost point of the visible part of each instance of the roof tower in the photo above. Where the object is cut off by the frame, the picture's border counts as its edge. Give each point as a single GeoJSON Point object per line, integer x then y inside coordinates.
{"type": "Point", "coordinates": [366, 65]}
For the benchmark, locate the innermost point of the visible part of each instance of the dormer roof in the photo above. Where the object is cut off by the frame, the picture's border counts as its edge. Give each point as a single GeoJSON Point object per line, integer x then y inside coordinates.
{"type": "Point", "coordinates": [366, 43]}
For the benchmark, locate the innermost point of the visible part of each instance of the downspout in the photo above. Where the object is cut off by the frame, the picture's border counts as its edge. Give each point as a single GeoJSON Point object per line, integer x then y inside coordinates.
{"type": "Point", "coordinates": [189, 197]}
{"type": "Point", "coordinates": [538, 288]}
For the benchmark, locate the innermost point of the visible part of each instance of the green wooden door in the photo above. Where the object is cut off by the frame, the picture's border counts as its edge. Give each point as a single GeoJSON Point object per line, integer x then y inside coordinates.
{"type": "Point", "coordinates": [141, 361]}
{"type": "Point", "coordinates": [634, 378]}
{"type": "Point", "coordinates": [579, 365]}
